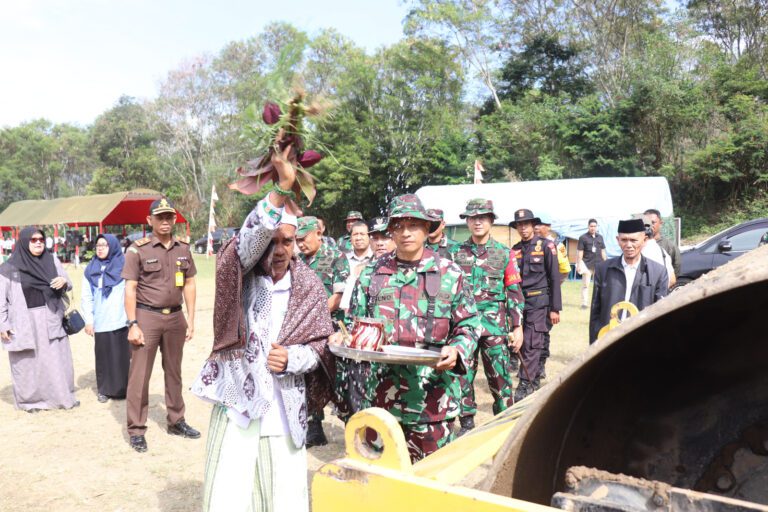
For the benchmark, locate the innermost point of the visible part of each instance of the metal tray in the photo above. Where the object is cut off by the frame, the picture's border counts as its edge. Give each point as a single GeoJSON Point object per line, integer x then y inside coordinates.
{"type": "Point", "coordinates": [418, 357]}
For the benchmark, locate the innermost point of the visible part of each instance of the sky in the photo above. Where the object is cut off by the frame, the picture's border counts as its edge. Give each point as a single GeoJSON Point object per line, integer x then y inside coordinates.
{"type": "Point", "coordinates": [70, 60]}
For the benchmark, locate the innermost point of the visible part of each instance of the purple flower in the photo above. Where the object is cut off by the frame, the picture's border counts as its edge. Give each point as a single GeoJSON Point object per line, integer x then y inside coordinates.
{"type": "Point", "coordinates": [271, 113]}
{"type": "Point", "coordinates": [309, 158]}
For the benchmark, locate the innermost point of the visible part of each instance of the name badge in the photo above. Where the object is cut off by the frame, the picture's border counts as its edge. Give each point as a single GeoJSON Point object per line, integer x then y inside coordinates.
{"type": "Point", "coordinates": [594, 248]}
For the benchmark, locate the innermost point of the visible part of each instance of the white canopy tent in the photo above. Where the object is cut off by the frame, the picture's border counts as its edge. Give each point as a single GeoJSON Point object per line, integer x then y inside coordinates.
{"type": "Point", "coordinates": [568, 203]}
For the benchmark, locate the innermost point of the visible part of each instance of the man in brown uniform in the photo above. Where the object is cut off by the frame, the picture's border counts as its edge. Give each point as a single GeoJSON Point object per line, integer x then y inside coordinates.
{"type": "Point", "coordinates": [158, 271]}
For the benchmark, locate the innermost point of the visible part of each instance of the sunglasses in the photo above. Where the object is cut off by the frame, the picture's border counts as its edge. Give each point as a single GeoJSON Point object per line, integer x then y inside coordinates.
{"type": "Point", "coordinates": [37, 240]}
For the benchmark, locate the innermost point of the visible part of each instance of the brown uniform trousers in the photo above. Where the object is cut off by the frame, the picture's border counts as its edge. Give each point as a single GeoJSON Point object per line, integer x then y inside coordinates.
{"type": "Point", "coordinates": [168, 333]}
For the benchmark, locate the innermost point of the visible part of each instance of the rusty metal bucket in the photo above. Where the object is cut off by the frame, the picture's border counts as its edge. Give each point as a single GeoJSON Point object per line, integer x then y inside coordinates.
{"type": "Point", "coordinates": [677, 394]}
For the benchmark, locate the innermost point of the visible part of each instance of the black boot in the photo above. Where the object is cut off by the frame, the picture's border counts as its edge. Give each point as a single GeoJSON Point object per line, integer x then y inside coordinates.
{"type": "Point", "coordinates": [524, 388]}
{"type": "Point", "coordinates": [315, 434]}
{"type": "Point", "coordinates": [467, 423]}
{"type": "Point", "coordinates": [543, 371]}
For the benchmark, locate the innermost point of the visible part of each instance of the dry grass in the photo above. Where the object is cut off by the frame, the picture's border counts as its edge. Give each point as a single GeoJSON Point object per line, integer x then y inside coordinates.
{"type": "Point", "coordinates": [80, 459]}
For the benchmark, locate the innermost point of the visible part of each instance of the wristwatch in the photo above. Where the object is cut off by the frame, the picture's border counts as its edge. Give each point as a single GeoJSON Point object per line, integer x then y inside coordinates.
{"type": "Point", "coordinates": [130, 323]}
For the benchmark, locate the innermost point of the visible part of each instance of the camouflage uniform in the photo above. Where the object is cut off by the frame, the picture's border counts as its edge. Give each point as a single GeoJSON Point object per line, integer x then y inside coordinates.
{"type": "Point", "coordinates": [763, 240]}
{"type": "Point", "coordinates": [537, 260]}
{"type": "Point", "coordinates": [344, 242]}
{"type": "Point", "coordinates": [444, 246]}
{"type": "Point", "coordinates": [494, 279]}
{"type": "Point", "coordinates": [427, 304]}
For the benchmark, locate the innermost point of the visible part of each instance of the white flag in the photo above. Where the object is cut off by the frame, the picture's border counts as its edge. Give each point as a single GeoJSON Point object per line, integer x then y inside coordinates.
{"type": "Point", "coordinates": [211, 222]}
{"type": "Point", "coordinates": [478, 172]}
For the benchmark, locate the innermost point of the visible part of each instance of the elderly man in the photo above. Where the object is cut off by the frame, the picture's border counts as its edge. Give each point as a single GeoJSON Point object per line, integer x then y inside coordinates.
{"type": "Point", "coordinates": [344, 243]}
{"type": "Point", "coordinates": [270, 365]}
{"type": "Point", "coordinates": [424, 303]}
{"type": "Point", "coordinates": [629, 277]}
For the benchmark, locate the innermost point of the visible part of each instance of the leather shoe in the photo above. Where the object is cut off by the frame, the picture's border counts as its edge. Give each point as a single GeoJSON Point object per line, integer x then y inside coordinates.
{"type": "Point", "coordinates": [102, 398]}
{"type": "Point", "coordinates": [467, 423]}
{"type": "Point", "coordinates": [315, 434]}
{"type": "Point", "coordinates": [182, 429]}
{"type": "Point", "coordinates": [139, 444]}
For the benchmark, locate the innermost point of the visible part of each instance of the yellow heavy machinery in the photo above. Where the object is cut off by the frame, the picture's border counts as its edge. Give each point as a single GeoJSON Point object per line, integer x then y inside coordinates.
{"type": "Point", "coordinates": [668, 411]}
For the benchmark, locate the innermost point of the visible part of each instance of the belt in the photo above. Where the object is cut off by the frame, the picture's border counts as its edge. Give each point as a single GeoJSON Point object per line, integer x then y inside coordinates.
{"type": "Point", "coordinates": [164, 311]}
{"type": "Point", "coordinates": [535, 293]}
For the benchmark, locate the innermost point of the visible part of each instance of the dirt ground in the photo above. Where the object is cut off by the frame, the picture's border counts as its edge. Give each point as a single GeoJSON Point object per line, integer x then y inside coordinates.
{"type": "Point", "coordinates": [80, 459]}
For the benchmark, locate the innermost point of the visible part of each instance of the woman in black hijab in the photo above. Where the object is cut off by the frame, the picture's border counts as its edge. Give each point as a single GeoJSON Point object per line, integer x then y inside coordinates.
{"type": "Point", "coordinates": [32, 285]}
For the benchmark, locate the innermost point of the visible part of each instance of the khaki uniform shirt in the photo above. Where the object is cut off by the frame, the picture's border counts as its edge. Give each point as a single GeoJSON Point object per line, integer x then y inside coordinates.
{"type": "Point", "coordinates": [154, 267]}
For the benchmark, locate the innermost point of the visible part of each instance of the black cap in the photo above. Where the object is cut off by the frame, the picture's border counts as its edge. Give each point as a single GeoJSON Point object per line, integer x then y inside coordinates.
{"type": "Point", "coordinates": [161, 205]}
{"type": "Point", "coordinates": [523, 215]}
{"type": "Point", "coordinates": [631, 226]}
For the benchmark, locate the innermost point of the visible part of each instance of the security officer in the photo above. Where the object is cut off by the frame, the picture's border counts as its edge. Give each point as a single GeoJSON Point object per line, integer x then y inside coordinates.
{"type": "Point", "coordinates": [537, 260]}
{"type": "Point", "coordinates": [381, 240]}
{"type": "Point", "coordinates": [344, 243]}
{"type": "Point", "coordinates": [437, 240]}
{"type": "Point", "coordinates": [160, 275]}
{"type": "Point", "coordinates": [424, 303]}
{"type": "Point", "coordinates": [332, 267]}
{"type": "Point", "coordinates": [493, 276]}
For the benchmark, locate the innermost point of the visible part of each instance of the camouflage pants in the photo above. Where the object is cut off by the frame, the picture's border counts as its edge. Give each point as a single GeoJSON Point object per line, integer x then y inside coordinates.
{"type": "Point", "coordinates": [353, 389]}
{"type": "Point", "coordinates": [497, 363]}
{"type": "Point", "coordinates": [422, 438]}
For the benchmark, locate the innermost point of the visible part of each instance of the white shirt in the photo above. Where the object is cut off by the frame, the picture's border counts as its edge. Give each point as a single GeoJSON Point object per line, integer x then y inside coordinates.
{"type": "Point", "coordinates": [630, 271]}
{"type": "Point", "coordinates": [274, 422]}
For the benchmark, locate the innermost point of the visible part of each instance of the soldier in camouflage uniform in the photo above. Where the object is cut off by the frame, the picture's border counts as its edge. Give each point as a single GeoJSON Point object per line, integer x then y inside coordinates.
{"type": "Point", "coordinates": [333, 269]}
{"type": "Point", "coordinates": [381, 240]}
{"type": "Point", "coordinates": [437, 240]}
{"type": "Point", "coordinates": [424, 302]}
{"type": "Point", "coordinates": [495, 282]}
{"type": "Point", "coordinates": [344, 243]}
{"type": "Point", "coordinates": [537, 260]}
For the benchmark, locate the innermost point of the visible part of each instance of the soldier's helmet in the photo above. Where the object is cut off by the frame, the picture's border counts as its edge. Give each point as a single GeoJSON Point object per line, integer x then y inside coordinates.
{"type": "Point", "coordinates": [377, 225]}
{"type": "Point", "coordinates": [763, 239]}
{"type": "Point", "coordinates": [523, 215]}
{"type": "Point", "coordinates": [408, 206]}
{"type": "Point", "coordinates": [354, 215]}
{"type": "Point", "coordinates": [478, 207]}
{"type": "Point", "coordinates": [306, 225]}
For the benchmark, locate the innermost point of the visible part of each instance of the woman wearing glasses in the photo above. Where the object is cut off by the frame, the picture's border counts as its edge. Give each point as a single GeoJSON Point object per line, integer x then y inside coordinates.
{"type": "Point", "coordinates": [32, 285]}
{"type": "Point", "coordinates": [102, 303]}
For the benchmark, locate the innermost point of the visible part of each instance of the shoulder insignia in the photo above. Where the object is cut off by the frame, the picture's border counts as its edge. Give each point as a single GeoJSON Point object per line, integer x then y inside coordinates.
{"type": "Point", "coordinates": [133, 250]}
{"type": "Point", "coordinates": [142, 241]}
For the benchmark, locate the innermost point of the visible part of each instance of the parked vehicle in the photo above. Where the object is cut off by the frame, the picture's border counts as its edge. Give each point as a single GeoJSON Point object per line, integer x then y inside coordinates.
{"type": "Point", "coordinates": [720, 249]}
{"type": "Point", "coordinates": [202, 243]}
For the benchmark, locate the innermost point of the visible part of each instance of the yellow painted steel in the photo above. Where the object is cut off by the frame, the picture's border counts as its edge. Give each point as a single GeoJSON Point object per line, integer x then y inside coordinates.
{"type": "Point", "coordinates": [615, 321]}
{"type": "Point", "coordinates": [370, 480]}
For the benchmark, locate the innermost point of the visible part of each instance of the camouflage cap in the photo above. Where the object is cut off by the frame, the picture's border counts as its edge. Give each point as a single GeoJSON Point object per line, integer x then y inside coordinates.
{"type": "Point", "coordinates": [306, 225]}
{"type": "Point", "coordinates": [354, 215]}
{"type": "Point", "coordinates": [378, 225]}
{"type": "Point", "coordinates": [436, 213]}
{"type": "Point", "coordinates": [524, 214]}
{"type": "Point", "coordinates": [408, 206]}
{"type": "Point", "coordinates": [478, 207]}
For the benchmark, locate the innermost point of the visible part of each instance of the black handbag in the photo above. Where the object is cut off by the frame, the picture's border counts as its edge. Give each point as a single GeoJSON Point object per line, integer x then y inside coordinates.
{"type": "Point", "coordinates": [73, 321]}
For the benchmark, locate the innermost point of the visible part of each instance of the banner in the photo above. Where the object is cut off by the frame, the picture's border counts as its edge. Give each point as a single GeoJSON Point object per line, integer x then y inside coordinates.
{"type": "Point", "coordinates": [211, 222]}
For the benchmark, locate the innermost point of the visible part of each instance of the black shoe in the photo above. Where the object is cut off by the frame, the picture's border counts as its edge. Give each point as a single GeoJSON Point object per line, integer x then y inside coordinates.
{"type": "Point", "coordinates": [524, 388]}
{"type": "Point", "coordinates": [182, 429]}
{"type": "Point", "coordinates": [543, 371]}
{"type": "Point", "coordinates": [139, 444]}
{"type": "Point", "coordinates": [32, 411]}
{"type": "Point", "coordinates": [102, 398]}
{"type": "Point", "coordinates": [315, 434]}
{"type": "Point", "coordinates": [467, 423]}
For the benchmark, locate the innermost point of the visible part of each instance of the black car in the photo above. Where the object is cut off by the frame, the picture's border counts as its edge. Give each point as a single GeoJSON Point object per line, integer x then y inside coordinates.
{"type": "Point", "coordinates": [720, 249]}
{"type": "Point", "coordinates": [202, 243]}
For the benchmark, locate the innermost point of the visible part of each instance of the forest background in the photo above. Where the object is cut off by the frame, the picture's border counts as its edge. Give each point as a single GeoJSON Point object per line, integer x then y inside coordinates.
{"type": "Point", "coordinates": [535, 89]}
